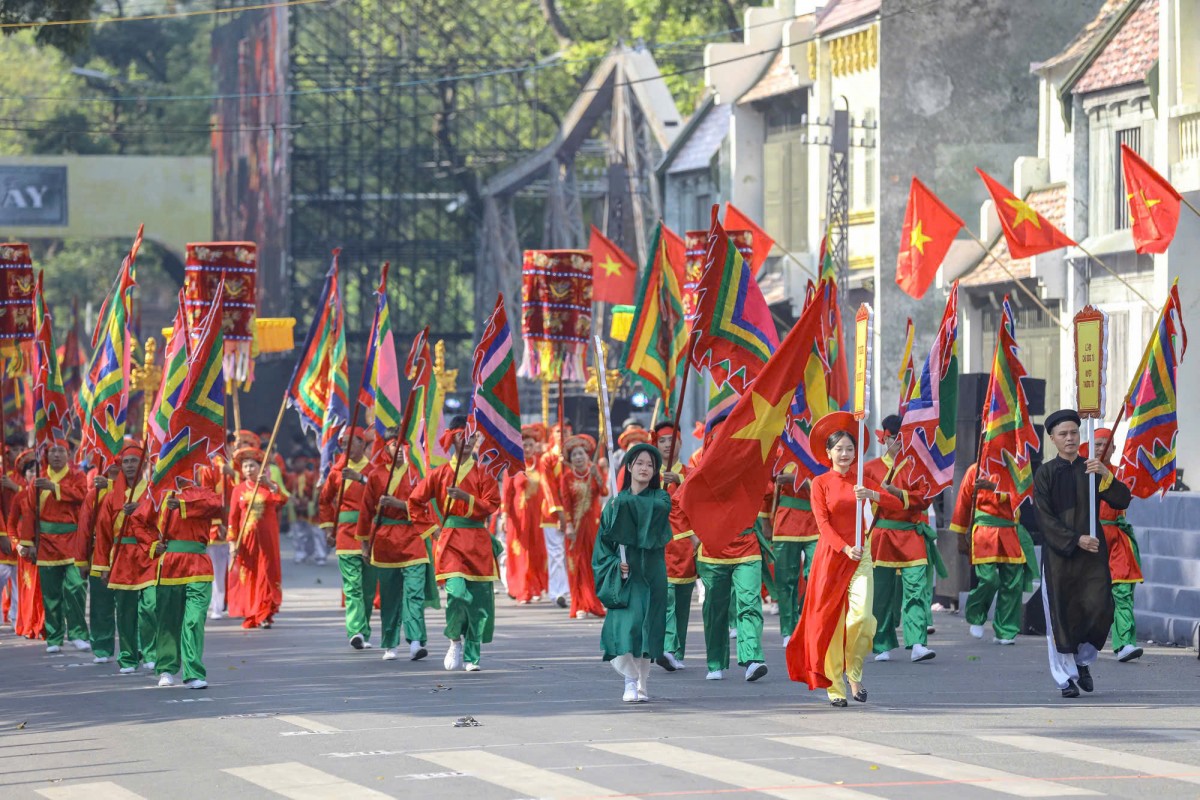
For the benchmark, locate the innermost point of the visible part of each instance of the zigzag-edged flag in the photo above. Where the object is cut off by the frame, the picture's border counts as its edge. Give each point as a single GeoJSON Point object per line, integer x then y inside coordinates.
{"type": "Point", "coordinates": [51, 411]}
{"type": "Point", "coordinates": [418, 368]}
{"type": "Point", "coordinates": [654, 351]}
{"type": "Point", "coordinates": [1148, 460]}
{"type": "Point", "coordinates": [907, 372]}
{"type": "Point", "coordinates": [174, 372]}
{"type": "Point", "coordinates": [379, 394]}
{"type": "Point", "coordinates": [72, 358]}
{"type": "Point", "coordinates": [816, 393]}
{"type": "Point", "coordinates": [495, 414]}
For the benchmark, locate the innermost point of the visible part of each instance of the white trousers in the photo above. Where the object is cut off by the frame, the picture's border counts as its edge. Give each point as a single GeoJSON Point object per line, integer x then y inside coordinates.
{"type": "Point", "coordinates": [219, 553]}
{"type": "Point", "coordinates": [556, 562]}
{"type": "Point", "coordinates": [1064, 667]}
{"type": "Point", "coordinates": [8, 577]}
{"type": "Point", "coordinates": [309, 541]}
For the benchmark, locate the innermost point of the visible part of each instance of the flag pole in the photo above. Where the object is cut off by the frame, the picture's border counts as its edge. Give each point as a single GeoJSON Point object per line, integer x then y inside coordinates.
{"type": "Point", "coordinates": [858, 520]}
{"type": "Point", "coordinates": [1191, 207]}
{"type": "Point", "coordinates": [987, 252]}
{"type": "Point", "coordinates": [687, 369]}
{"type": "Point", "coordinates": [606, 428]}
{"type": "Point", "coordinates": [405, 421]}
{"type": "Point", "coordinates": [1113, 272]}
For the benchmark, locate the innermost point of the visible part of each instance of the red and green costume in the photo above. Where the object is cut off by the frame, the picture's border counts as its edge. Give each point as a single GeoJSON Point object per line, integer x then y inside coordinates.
{"type": "Point", "coordinates": [123, 556]}
{"type": "Point", "coordinates": [794, 536]}
{"type": "Point", "coordinates": [680, 555]}
{"type": "Point", "coordinates": [55, 513]}
{"type": "Point", "coordinates": [358, 576]}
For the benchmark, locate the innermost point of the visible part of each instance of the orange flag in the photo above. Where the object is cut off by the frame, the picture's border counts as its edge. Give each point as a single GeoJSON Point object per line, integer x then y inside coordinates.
{"type": "Point", "coordinates": [929, 229]}
{"type": "Point", "coordinates": [614, 275]}
{"type": "Point", "coordinates": [761, 244]}
{"type": "Point", "coordinates": [1027, 232]}
{"type": "Point", "coordinates": [1154, 204]}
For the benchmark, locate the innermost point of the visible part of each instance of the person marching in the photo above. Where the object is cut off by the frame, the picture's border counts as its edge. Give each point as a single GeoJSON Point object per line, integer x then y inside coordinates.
{"type": "Point", "coordinates": [680, 555]}
{"type": "Point", "coordinates": [102, 610]}
{"type": "Point", "coordinates": [397, 549]}
{"type": "Point", "coordinates": [523, 495]}
{"type": "Point", "coordinates": [902, 546]}
{"type": "Point", "coordinates": [341, 531]}
{"type": "Point", "coordinates": [53, 503]}
{"type": "Point", "coordinates": [462, 496]}
{"type": "Point", "coordinates": [256, 579]}
{"type": "Point", "coordinates": [219, 476]}
{"type": "Point", "coordinates": [582, 488]}
{"type": "Point", "coordinates": [308, 538]}
{"type": "Point", "coordinates": [1076, 583]}
{"type": "Point", "coordinates": [555, 525]}
{"type": "Point", "coordinates": [793, 542]}
{"type": "Point", "coordinates": [1124, 563]}
{"type": "Point", "coordinates": [629, 564]}
{"type": "Point", "coordinates": [31, 613]}
{"type": "Point", "coordinates": [835, 631]}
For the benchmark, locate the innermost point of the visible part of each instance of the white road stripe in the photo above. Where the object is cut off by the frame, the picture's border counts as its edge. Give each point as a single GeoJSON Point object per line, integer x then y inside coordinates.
{"type": "Point", "coordinates": [307, 724]}
{"type": "Point", "coordinates": [734, 773]}
{"type": "Point", "coordinates": [936, 767]}
{"type": "Point", "coordinates": [1188, 773]}
{"type": "Point", "coordinates": [301, 782]}
{"type": "Point", "coordinates": [516, 776]}
{"type": "Point", "coordinates": [105, 790]}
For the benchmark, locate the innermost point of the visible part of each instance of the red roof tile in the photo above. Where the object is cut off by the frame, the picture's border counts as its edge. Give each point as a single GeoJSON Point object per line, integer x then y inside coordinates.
{"type": "Point", "coordinates": [778, 79]}
{"type": "Point", "coordinates": [1087, 37]}
{"type": "Point", "coordinates": [1128, 56]}
{"type": "Point", "coordinates": [843, 12]}
{"type": "Point", "coordinates": [1051, 203]}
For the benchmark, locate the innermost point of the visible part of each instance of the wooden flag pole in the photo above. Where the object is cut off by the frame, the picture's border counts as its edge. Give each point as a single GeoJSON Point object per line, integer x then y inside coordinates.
{"type": "Point", "coordinates": [863, 331]}
{"type": "Point", "coordinates": [405, 421]}
{"type": "Point", "coordinates": [987, 252]}
{"type": "Point", "coordinates": [606, 425]}
{"type": "Point", "coordinates": [1191, 207]}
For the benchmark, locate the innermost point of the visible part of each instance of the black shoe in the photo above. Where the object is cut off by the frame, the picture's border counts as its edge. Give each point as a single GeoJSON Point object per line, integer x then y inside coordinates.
{"type": "Point", "coordinates": [356, 641]}
{"type": "Point", "coordinates": [1085, 679]}
{"type": "Point", "coordinates": [1072, 690]}
{"type": "Point", "coordinates": [839, 703]}
{"type": "Point", "coordinates": [662, 662]}
{"type": "Point", "coordinates": [561, 601]}
{"type": "Point", "coordinates": [861, 695]}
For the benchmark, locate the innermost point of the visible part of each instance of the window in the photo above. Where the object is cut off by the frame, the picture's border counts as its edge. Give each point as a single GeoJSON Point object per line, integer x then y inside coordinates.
{"type": "Point", "coordinates": [785, 171]}
{"type": "Point", "coordinates": [1133, 138]}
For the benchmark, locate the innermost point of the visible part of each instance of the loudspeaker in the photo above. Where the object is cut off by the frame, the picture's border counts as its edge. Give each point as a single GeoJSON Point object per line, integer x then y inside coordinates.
{"type": "Point", "coordinates": [1035, 395]}
{"type": "Point", "coordinates": [972, 392]}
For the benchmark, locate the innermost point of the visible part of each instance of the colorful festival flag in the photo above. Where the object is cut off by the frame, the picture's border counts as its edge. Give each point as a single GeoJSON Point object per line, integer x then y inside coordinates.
{"type": "Point", "coordinates": [72, 357]}
{"type": "Point", "coordinates": [735, 220]}
{"type": "Point", "coordinates": [907, 373]}
{"type": "Point", "coordinates": [654, 351]}
{"type": "Point", "coordinates": [929, 230]}
{"type": "Point", "coordinates": [495, 413]}
{"type": "Point", "coordinates": [1026, 231]}
{"type": "Point", "coordinates": [614, 275]}
{"type": "Point", "coordinates": [426, 412]}
{"type": "Point", "coordinates": [379, 394]}
{"type": "Point", "coordinates": [51, 412]}
{"type": "Point", "coordinates": [174, 373]}
{"type": "Point", "coordinates": [1154, 205]}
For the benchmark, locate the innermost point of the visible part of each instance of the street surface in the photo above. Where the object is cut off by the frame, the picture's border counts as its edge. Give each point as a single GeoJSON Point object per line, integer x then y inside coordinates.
{"type": "Point", "coordinates": [295, 712]}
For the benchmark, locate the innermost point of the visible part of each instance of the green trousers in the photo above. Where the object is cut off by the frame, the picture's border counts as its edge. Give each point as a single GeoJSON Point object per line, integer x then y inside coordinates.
{"type": "Point", "coordinates": [913, 609]}
{"type": "Point", "coordinates": [359, 579]}
{"type": "Point", "coordinates": [742, 582]}
{"type": "Point", "coordinates": [1123, 632]}
{"type": "Point", "coordinates": [102, 617]}
{"type": "Point", "coordinates": [432, 595]}
{"type": "Point", "coordinates": [64, 595]}
{"type": "Point", "coordinates": [402, 603]}
{"type": "Point", "coordinates": [470, 615]}
{"type": "Point", "coordinates": [791, 559]}
{"type": "Point", "coordinates": [679, 610]}
{"type": "Point", "coordinates": [137, 626]}
{"type": "Point", "coordinates": [182, 609]}
{"type": "Point", "coordinates": [1002, 582]}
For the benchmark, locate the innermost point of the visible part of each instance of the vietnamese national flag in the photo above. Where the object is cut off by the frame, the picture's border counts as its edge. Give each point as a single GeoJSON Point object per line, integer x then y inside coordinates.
{"type": "Point", "coordinates": [614, 275]}
{"type": "Point", "coordinates": [1154, 204]}
{"type": "Point", "coordinates": [722, 497]}
{"type": "Point", "coordinates": [1026, 231]}
{"type": "Point", "coordinates": [929, 230]}
{"type": "Point", "coordinates": [761, 244]}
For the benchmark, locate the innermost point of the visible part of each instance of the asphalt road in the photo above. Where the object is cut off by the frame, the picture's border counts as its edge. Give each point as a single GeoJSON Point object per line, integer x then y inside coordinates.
{"type": "Point", "coordinates": [295, 712]}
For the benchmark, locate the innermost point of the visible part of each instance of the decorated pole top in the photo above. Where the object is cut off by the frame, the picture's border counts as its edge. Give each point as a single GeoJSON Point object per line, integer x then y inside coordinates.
{"type": "Point", "coordinates": [864, 329]}
{"type": "Point", "coordinates": [1091, 361]}
{"type": "Point", "coordinates": [206, 265]}
{"type": "Point", "coordinates": [556, 313]}
{"type": "Point", "coordinates": [696, 253]}
{"type": "Point", "coordinates": [16, 296]}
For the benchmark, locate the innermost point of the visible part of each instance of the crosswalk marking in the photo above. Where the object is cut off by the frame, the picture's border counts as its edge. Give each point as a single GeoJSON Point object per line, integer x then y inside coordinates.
{"type": "Point", "coordinates": [525, 780]}
{"type": "Point", "coordinates": [935, 766]}
{"type": "Point", "coordinates": [307, 724]}
{"type": "Point", "coordinates": [1174, 770]}
{"type": "Point", "coordinates": [301, 782]}
{"type": "Point", "coordinates": [735, 773]}
{"type": "Point", "coordinates": [105, 790]}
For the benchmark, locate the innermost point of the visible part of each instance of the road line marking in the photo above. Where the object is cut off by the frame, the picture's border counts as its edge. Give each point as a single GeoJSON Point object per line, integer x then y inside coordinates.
{"type": "Point", "coordinates": [735, 773]}
{"type": "Point", "coordinates": [300, 782]}
{"type": "Point", "coordinates": [935, 766]}
{"type": "Point", "coordinates": [310, 725]}
{"type": "Point", "coordinates": [1060, 748]}
{"type": "Point", "coordinates": [516, 776]}
{"type": "Point", "coordinates": [105, 790]}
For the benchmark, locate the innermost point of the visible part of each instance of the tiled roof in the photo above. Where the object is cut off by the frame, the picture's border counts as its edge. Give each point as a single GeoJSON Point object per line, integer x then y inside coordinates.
{"type": "Point", "coordinates": [1083, 42]}
{"type": "Point", "coordinates": [1128, 56]}
{"type": "Point", "coordinates": [1051, 203]}
{"type": "Point", "coordinates": [843, 12]}
{"type": "Point", "coordinates": [779, 78]}
{"type": "Point", "coordinates": [704, 141]}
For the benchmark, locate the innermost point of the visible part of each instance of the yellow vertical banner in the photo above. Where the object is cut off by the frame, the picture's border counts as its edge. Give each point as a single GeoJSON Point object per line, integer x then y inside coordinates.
{"type": "Point", "coordinates": [864, 325]}
{"type": "Point", "coordinates": [1091, 359]}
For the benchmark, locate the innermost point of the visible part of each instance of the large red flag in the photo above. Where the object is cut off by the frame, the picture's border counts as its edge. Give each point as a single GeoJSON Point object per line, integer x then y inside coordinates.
{"type": "Point", "coordinates": [614, 275]}
{"type": "Point", "coordinates": [1026, 231]}
{"type": "Point", "coordinates": [1153, 204]}
{"type": "Point", "coordinates": [762, 243]}
{"type": "Point", "coordinates": [929, 230]}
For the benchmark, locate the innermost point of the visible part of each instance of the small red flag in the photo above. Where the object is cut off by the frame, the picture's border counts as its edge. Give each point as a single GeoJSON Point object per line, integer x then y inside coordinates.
{"type": "Point", "coordinates": [1154, 204]}
{"type": "Point", "coordinates": [761, 245]}
{"type": "Point", "coordinates": [1026, 231]}
{"type": "Point", "coordinates": [614, 275]}
{"type": "Point", "coordinates": [676, 250]}
{"type": "Point", "coordinates": [929, 229]}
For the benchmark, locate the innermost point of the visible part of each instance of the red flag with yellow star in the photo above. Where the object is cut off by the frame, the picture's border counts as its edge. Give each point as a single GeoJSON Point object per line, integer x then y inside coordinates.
{"type": "Point", "coordinates": [1026, 231]}
{"type": "Point", "coordinates": [1154, 204]}
{"type": "Point", "coordinates": [760, 242]}
{"type": "Point", "coordinates": [723, 495]}
{"type": "Point", "coordinates": [929, 229]}
{"type": "Point", "coordinates": [614, 275]}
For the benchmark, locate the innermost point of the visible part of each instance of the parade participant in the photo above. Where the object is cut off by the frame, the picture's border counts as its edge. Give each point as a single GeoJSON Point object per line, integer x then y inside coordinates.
{"type": "Point", "coordinates": [255, 579]}
{"type": "Point", "coordinates": [630, 566]}
{"type": "Point", "coordinates": [793, 542]}
{"type": "Point", "coordinates": [397, 549]}
{"type": "Point", "coordinates": [185, 578]}
{"type": "Point", "coordinates": [1076, 583]}
{"type": "Point", "coordinates": [522, 498]}
{"type": "Point", "coordinates": [125, 559]}
{"type": "Point", "coordinates": [53, 502]}
{"type": "Point", "coordinates": [556, 526]}
{"type": "Point", "coordinates": [1124, 562]}
{"type": "Point", "coordinates": [31, 614]}
{"type": "Point", "coordinates": [681, 559]}
{"type": "Point", "coordinates": [836, 629]}
{"type": "Point", "coordinates": [341, 531]}
{"type": "Point", "coordinates": [102, 606]}
{"type": "Point", "coordinates": [584, 487]}
{"type": "Point", "coordinates": [902, 546]}
{"type": "Point", "coordinates": [733, 575]}
{"type": "Point", "coordinates": [462, 496]}
{"type": "Point", "coordinates": [220, 477]}
{"type": "Point", "coordinates": [308, 540]}
{"type": "Point", "coordinates": [636, 433]}
{"type": "Point", "coordinates": [9, 559]}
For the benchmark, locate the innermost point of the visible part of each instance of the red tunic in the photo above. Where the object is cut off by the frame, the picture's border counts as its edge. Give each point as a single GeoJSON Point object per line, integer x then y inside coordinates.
{"type": "Point", "coordinates": [680, 551]}
{"type": "Point", "coordinates": [31, 614]}
{"type": "Point", "coordinates": [1122, 558]}
{"type": "Point", "coordinates": [523, 496]}
{"type": "Point", "coordinates": [399, 540]}
{"type": "Point", "coordinates": [550, 470]}
{"type": "Point", "coordinates": [464, 547]}
{"type": "Point", "coordinates": [794, 520]}
{"type": "Point", "coordinates": [255, 587]}
{"type": "Point", "coordinates": [184, 532]}
{"type": "Point", "coordinates": [87, 522]}
{"type": "Point", "coordinates": [58, 518]}
{"type": "Point", "coordinates": [125, 554]}
{"type": "Point", "coordinates": [214, 477]}
{"type": "Point", "coordinates": [345, 518]}
{"type": "Point", "coordinates": [990, 544]}
{"type": "Point", "coordinates": [585, 493]}
{"type": "Point", "coordinates": [898, 548]}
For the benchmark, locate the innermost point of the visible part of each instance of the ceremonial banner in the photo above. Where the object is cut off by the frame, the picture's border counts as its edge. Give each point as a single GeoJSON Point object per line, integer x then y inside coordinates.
{"type": "Point", "coordinates": [755, 239]}
{"type": "Point", "coordinates": [696, 257]}
{"type": "Point", "coordinates": [495, 414]}
{"type": "Point", "coordinates": [379, 394]}
{"type": "Point", "coordinates": [235, 263]}
{"type": "Point", "coordinates": [1009, 438]}
{"type": "Point", "coordinates": [864, 327]}
{"type": "Point", "coordinates": [654, 351]}
{"type": "Point", "coordinates": [52, 413]}
{"type": "Point", "coordinates": [1091, 362]}
{"type": "Point", "coordinates": [930, 408]}
{"type": "Point", "coordinates": [556, 313]}
{"type": "Point", "coordinates": [16, 296]}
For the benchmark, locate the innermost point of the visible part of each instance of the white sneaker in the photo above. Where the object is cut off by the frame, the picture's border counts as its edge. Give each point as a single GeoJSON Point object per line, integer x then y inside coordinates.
{"type": "Point", "coordinates": [755, 670]}
{"type": "Point", "coordinates": [100, 660]}
{"type": "Point", "coordinates": [80, 644]}
{"type": "Point", "coordinates": [631, 692]}
{"type": "Point", "coordinates": [53, 648]}
{"type": "Point", "coordinates": [196, 683]}
{"type": "Point", "coordinates": [1128, 653]}
{"type": "Point", "coordinates": [472, 667]}
{"type": "Point", "coordinates": [214, 615]}
{"type": "Point", "coordinates": [127, 670]}
{"type": "Point", "coordinates": [886, 655]}
{"type": "Point", "coordinates": [148, 666]}
{"type": "Point", "coordinates": [715, 675]}
{"type": "Point", "coordinates": [416, 652]}
{"type": "Point", "coordinates": [771, 609]}
{"type": "Point", "coordinates": [390, 654]}
{"type": "Point", "coordinates": [677, 663]}
{"type": "Point", "coordinates": [786, 639]}
{"type": "Point", "coordinates": [921, 653]}
{"type": "Point", "coordinates": [977, 631]}
{"type": "Point", "coordinates": [1004, 641]}
{"type": "Point", "coordinates": [367, 644]}
{"type": "Point", "coordinates": [167, 679]}
{"type": "Point", "coordinates": [454, 656]}
{"type": "Point", "coordinates": [733, 633]}
{"type": "Point", "coordinates": [580, 615]}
